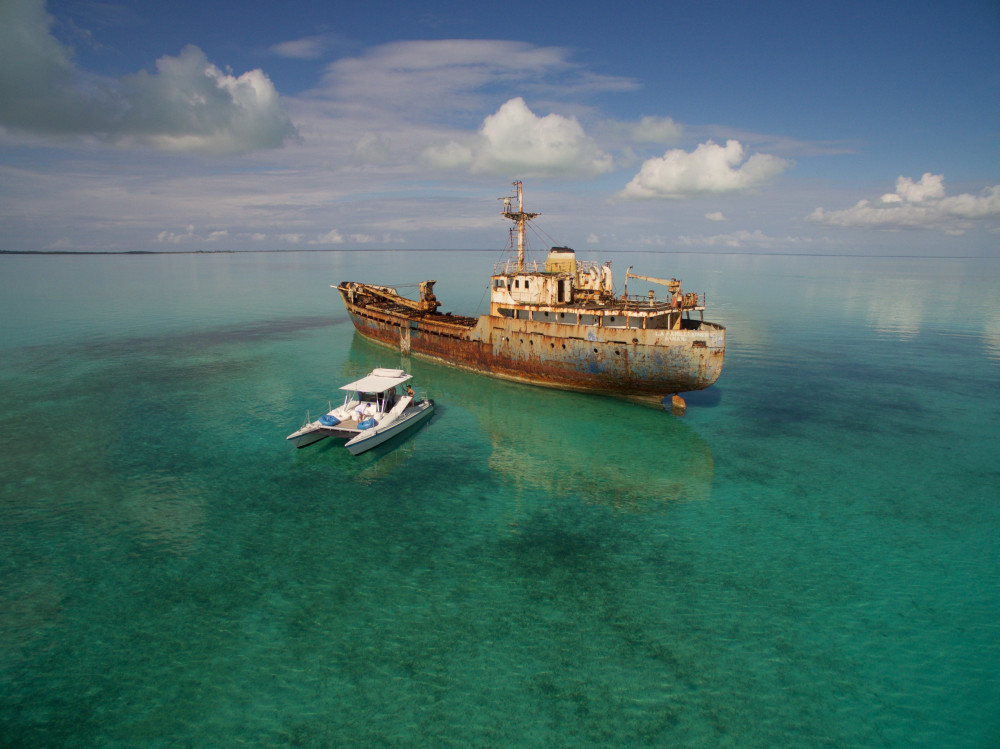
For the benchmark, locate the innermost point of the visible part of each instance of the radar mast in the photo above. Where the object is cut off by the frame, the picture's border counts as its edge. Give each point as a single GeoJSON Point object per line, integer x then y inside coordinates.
{"type": "Point", "coordinates": [520, 218]}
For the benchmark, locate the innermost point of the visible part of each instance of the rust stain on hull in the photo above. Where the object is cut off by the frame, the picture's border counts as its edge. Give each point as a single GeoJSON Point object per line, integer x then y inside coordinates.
{"type": "Point", "coordinates": [630, 363]}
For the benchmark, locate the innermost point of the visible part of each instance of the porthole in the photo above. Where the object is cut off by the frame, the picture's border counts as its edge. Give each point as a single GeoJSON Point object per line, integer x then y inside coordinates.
{"type": "Point", "coordinates": [617, 352]}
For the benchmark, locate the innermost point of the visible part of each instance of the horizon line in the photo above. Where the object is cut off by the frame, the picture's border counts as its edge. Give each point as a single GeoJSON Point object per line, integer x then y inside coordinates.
{"type": "Point", "coordinates": [472, 249]}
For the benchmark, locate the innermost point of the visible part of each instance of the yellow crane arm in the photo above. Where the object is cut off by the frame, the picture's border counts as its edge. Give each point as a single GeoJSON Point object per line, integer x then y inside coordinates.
{"type": "Point", "coordinates": [673, 282]}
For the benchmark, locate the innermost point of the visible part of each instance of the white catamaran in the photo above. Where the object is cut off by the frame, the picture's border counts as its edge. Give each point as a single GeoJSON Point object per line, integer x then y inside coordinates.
{"type": "Point", "coordinates": [376, 408]}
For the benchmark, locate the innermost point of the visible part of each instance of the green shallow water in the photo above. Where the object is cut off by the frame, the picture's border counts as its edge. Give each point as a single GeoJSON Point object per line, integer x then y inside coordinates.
{"type": "Point", "coordinates": [807, 558]}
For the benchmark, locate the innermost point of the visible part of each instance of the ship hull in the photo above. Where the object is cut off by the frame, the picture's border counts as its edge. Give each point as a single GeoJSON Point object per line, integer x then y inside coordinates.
{"type": "Point", "coordinates": [638, 364]}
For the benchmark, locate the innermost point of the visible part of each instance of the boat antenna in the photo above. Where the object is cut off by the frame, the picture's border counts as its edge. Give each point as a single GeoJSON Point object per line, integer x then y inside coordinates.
{"type": "Point", "coordinates": [520, 218]}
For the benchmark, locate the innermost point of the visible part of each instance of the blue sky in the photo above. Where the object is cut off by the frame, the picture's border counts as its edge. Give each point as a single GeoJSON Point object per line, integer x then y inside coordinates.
{"type": "Point", "coordinates": [847, 127]}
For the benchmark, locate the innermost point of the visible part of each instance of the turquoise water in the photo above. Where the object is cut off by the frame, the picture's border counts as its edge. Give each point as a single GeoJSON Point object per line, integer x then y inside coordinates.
{"type": "Point", "coordinates": [809, 557]}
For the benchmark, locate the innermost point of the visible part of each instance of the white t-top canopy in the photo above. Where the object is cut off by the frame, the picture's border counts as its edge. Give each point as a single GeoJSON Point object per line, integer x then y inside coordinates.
{"type": "Point", "coordinates": [378, 381]}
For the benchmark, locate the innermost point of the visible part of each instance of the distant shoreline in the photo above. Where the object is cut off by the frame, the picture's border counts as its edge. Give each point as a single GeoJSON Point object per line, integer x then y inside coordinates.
{"type": "Point", "coordinates": [220, 252]}
{"type": "Point", "coordinates": [387, 249]}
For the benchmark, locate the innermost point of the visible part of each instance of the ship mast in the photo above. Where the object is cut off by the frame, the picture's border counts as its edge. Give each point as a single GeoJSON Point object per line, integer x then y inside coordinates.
{"type": "Point", "coordinates": [520, 218]}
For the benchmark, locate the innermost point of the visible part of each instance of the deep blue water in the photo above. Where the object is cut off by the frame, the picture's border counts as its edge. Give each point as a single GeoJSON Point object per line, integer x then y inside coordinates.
{"type": "Point", "coordinates": [808, 557]}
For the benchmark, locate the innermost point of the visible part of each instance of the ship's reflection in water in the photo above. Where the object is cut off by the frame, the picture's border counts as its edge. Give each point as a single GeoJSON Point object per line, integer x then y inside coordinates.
{"type": "Point", "coordinates": [600, 449]}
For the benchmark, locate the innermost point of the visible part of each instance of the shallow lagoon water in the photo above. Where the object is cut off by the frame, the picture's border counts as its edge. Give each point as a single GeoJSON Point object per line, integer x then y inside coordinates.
{"type": "Point", "coordinates": [808, 557]}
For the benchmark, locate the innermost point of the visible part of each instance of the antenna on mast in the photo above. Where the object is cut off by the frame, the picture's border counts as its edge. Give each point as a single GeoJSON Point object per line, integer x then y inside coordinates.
{"type": "Point", "coordinates": [520, 218]}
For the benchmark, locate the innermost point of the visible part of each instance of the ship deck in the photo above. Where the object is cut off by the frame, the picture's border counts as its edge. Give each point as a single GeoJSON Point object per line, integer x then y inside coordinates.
{"type": "Point", "coordinates": [398, 310]}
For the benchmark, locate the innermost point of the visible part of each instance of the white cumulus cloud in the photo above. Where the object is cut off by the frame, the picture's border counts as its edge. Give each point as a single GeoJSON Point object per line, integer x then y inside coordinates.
{"type": "Point", "coordinates": [929, 186]}
{"type": "Point", "coordinates": [169, 237]}
{"type": "Point", "coordinates": [515, 141]}
{"type": "Point", "coordinates": [743, 238]}
{"type": "Point", "coordinates": [189, 104]}
{"type": "Point", "coordinates": [917, 205]}
{"type": "Point", "coordinates": [710, 169]}
{"type": "Point", "coordinates": [331, 237]}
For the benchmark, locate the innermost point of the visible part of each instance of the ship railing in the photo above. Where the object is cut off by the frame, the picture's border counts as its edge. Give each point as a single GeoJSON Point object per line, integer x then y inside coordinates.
{"type": "Point", "coordinates": [534, 266]}
{"type": "Point", "coordinates": [508, 267]}
{"type": "Point", "coordinates": [642, 300]}
{"type": "Point", "coordinates": [691, 301]}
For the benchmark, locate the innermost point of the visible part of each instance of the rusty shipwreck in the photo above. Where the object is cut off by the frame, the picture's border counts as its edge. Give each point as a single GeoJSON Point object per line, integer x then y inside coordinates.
{"type": "Point", "coordinates": [558, 324]}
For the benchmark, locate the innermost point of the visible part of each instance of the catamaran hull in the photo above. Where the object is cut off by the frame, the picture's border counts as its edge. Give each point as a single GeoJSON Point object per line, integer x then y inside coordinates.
{"type": "Point", "coordinates": [627, 362]}
{"type": "Point", "coordinates": [308, 438]}
{"type": "Point", "coordinates": [372, 437]}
